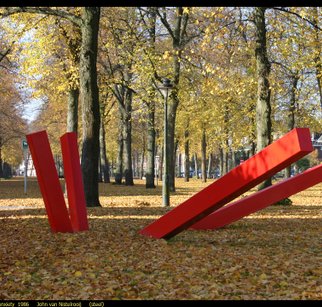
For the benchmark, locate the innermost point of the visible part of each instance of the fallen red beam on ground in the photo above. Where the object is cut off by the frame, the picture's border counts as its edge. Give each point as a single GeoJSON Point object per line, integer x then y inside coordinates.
{"type": "Point", "coordinates": [273, 158]}
{"type": "Point", "coordinates": [74, 182]}
{"type": "Point", "coordinates": [49, 182]}
{"type": "Point", "coordinates": [261, 199]}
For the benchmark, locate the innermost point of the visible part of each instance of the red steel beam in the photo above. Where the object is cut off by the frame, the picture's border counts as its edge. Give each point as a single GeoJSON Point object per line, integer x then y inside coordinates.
{"type": "Point", "coordinates": [74, 182]}
{"type": "Point", "coordinates": [273, 158]}
{"type": "Point", "coordinates": [49, 182]}
{"type": "Point", "coordinates": [260, 200]}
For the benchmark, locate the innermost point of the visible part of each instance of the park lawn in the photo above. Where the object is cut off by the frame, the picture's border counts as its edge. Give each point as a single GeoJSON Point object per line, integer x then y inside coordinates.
{"type": "Point", "coordinates": [271, 254]}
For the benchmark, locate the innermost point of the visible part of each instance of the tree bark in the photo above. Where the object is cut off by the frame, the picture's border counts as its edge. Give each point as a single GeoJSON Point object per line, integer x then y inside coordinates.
{"type": "Point", "coordinates": [90, 104]}
{"type": "Point", "coordinates": [196, 165]}
{"type": "Point", "coordinates": [179, 165]}
{"type": "Point", "coordinates": [177, 34]}
{"type": "Point", "coordinates": [150, 146]}
{"type": "Point", "coordinates": [186, 156]}
{"type": "Point", "coordinates": [291, 115]}
{"type": "Point", "coordinates": [203, 156]}
{"type": "Point", "coordinates": [209, 166]}
{"type": "Point", "coordinates": [1, 168]}
{"type": "Point", "coordinates": [142, 165]}
{"type": "Point", "coordinates": [317, 53]}
{"type": "Point", "coordinates": [233, 158]}
{"type": "Point", "coordinates": [263, 107]}
{"type": "Point", "coordinates": [172, 111]}
{"type": "Point", "coordinates": [105, 167]}
{"type": "Point", "coordinates": [119, 159]}
{"type": "Point", "coordinates": [72, 110]}
{"type": "Point", "coordinates": [127, 139]}
{"type": "Point", "coordinates": [224, 161]}
{"type": "Point", "coordinates": [221, 161]}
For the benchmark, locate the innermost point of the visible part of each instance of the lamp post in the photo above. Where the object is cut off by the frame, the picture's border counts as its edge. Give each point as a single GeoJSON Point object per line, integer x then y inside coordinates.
{"type": "Point", "coordinates": [166, 85]}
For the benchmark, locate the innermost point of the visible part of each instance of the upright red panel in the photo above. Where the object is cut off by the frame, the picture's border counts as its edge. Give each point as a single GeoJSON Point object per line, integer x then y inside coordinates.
{"type": "Point", "coordinates": [74, 181]}
{"type": "Point", "coordinates": [260, 200]}
{"type": "Point", "coordinates": [49, 182]}
{"type": "Point", "coordinates": [273, 158]}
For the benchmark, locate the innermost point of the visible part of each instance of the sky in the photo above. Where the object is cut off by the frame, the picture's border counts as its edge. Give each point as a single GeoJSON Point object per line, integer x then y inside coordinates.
{"type": "Point", "coordinates": [31, 109]}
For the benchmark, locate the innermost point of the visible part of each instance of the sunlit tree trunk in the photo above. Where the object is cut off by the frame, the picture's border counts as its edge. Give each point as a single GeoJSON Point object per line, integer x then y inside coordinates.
{"type": "Point", "coordinates": [209, 165]}
{"type": "Point", "coordinates": [186, 156]}
{"type": "Point", "coordinates": [150, 156]}
{"type": "Point", "coordinates": [317, 52]}
{"type": "Point", "coordinates": [119, 159]}
{"type": "Point", "coordinates": [196, 164]}
{"type": "Point", "coordinates": [1, 167]}
{"type": "Point", "coordinates": [127, 139]}
{"type": "Point", "coordinates": [90, 104]}
{"type": "Point", "coordinates": [104, 164]}
{"type": "Point", "coordinates": [291, 114]}
{"type": "Point", "coordinates": [263, 107]}
{"type": "Point", "coordinates": [203, 156]}
{"type": "Point", "coordinates": [72, 110]}
{"type": "Point", "coordinates": [150, 146]}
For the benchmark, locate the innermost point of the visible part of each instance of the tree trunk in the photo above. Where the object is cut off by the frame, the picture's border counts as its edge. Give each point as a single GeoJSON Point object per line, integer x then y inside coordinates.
{"type": "Point", "coordinates": [105, 168]}
{"type": "Point", "coordinates": [72, 110]}
{"type": "Point", "coordinates": [161, 163]}
{"type": "Point", "coordinates": [291, 115]}
{"type": "Point", "coordinates": [127, 139]}
{"type": "Point", "coordinates": [175, 158]}
{"type": "Point", "coordinates": [90, 104]}
{"type": "Point", "coordinates": [263, 107]}
{"type": "Point", "coordinates": [179, 165]}
{"type": "Point", "coordinates": [1, 168]}
{"type": "Point", "coordinates": [203, 156]}
{"type": "Point", "coordinates": [209, 166]}
{"type": "Point", "coordinates": [142, 165]}
{"type": "Point", "coordinates": [172, 111]}
{"type": "Point", "coordinates": [186, 156]}
{"type": "Point", "coordinates": [119, 159]}
{"type": "Point", "coordinates": [196, 165]}
{"type": "Point", "coordinates": [233, 159]}
{"type": "Point", "coordinates": [224, 161]}
{"type": "Point", "coordinates": [72, 116]}
{"type": "Point", "coordinates": [150, 146]}
{"type": "Point", "coordinates": [317, 53]}
{"type": "Point", "coordinates": [221, 161]}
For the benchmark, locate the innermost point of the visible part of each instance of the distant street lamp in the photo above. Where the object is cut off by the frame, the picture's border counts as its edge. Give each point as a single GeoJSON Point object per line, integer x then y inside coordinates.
{"type": "Point", "coordinates": [166, 86]}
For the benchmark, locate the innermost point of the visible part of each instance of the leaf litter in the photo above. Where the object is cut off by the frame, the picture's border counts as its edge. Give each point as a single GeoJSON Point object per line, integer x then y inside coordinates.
{"type": "Point", "coordinates": [272, 254]}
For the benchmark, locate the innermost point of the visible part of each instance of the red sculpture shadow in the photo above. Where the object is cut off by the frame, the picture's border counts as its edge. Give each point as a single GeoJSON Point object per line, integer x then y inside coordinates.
{"type": "Point", "coordinates": [260, 200]}
{"type": "Point", "coordinates": [273, 158]}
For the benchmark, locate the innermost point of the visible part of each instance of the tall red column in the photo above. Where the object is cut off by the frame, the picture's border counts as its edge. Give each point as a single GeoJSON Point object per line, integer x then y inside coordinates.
{"type": "Point", "coordinates": [273, 158]}
{"type": "Point", "coordinates": [74, 181]}
{"type": "Point", "coordinates": [49, 182]}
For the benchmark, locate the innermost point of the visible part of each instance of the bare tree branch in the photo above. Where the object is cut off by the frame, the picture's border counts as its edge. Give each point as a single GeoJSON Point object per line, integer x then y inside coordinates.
{"type": "Point", "coordinates": [7, 11]}
{"type": "Point", "coordinates": [299, 16]}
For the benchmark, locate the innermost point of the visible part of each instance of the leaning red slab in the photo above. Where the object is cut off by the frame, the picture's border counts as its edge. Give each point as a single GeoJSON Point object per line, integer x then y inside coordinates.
{"type": "Point", "coordinates": [74, 182]}
{"type": "Point", "coordinates": [261, 199]}
{"type": "Point", "coordinates": [49, 182]}
{"type": "Point", "coordinates": [276, 156]}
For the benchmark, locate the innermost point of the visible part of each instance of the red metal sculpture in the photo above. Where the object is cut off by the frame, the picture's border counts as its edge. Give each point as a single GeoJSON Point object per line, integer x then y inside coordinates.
{"type": "Point", "coordinates": [74, 182]}
{"type": "Point", "coordinates": [262, 199]}
{"type": "Point", "coordinates": [273, 158]}
{"type": "Point", "coordinates": [49, 182]}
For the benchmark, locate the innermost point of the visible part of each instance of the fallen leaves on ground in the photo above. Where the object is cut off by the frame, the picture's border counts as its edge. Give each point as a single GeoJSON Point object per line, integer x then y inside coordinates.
{"type": "Point", "coordinates": [272, 254]}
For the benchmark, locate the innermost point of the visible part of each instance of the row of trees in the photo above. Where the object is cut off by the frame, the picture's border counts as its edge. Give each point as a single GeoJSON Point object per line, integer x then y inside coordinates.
{"type": "Point", "coordinates": [241, 76]}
